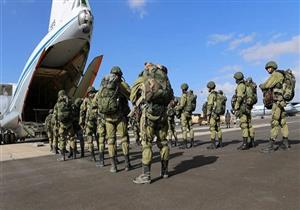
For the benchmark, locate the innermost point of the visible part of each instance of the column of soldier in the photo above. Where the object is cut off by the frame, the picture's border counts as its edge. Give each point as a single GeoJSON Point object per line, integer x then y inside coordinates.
{"type": "Point", "coordinates": [105, 113]}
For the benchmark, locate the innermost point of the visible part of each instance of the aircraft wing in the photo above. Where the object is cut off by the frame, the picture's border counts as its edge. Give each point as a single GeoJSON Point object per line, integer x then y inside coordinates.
{"type": "Point", "coordinates": [88, 78]}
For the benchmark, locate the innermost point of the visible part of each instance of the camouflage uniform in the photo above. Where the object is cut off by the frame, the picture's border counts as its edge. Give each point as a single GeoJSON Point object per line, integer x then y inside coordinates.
{"type": "Point", "coordinates": [171, 112]}
{"type": "Point", "coordinates": [213, 118]}
{"type": "Point", "coordinates": [88, 120]}
{"type": "Point", "coordinates": [242, 111]}
{"type": "Point", "coordinates": [49, 129]}
{"type": "Point", "coordinates": [55, 126]}
{"type": "Point", "coordinates": [134, 121]}
{"type": "Point", "coordinates": [117, 122]}
{"type": "Point", "coordinates": [186, 117]}
{"type": "Point", "coordinates": [65, 121]}
{"type": "Point", "coordinates": [76, 126]}
{"type": "Point", "coordinates": [274, 82]}
{"type": "Point", "coordinates": [227, 119]}
{"type": "Point", "coordinates": [153, 122]}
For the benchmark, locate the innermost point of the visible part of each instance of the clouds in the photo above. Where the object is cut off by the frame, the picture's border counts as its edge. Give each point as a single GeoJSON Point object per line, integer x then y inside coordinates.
{"type": "Point", "coordinates": [233, 40]}
{"type": "Point", "coordinates": [138, 6]}
{"type": "Point", "coordinates": [271, 50]}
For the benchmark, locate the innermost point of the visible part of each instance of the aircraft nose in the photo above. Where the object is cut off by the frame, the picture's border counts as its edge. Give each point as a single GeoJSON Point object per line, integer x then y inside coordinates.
{"type": "Point", "coordinates": [85, 20]}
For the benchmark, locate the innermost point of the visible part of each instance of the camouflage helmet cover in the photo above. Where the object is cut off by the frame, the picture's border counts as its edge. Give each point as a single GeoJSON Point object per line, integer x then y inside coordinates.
{"type": "Point", "coordinates": [238, 75]}
{"type": "Point", "coordinates": [184, 86]}
{"type": "Point", "coordinates": [116, 70]}
{"type": "Point", "coordinates": [211, 85]}
{"type": "Point", "coordinates": [272, 64]}
{"type": "Point", "coordinates": [61, 93]}
{"type": "Point", "coordinates": [91, 89]}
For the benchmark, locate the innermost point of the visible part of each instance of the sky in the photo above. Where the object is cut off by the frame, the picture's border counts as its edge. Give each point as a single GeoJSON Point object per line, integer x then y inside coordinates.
{"type": "Point", "coordinates": [198, 41]}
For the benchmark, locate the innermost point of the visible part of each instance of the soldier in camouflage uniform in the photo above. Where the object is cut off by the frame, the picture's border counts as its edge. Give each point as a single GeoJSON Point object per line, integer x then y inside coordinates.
{"type": "Point", "coordinates": [49, 129]}
{"type": "Point", "coordinates": [186, 117]}
{"type": "Point", "coordinates": [88, 120]}
{"type": "Point", "coordinates": [153, 92]}
{"type": "Point", "coordinates": [171, 112]}
{"type": "Point", "coordinates": [78, 131]}
{"type": "Point", "coordinates": [275, 83]}
{"type": "Point", "coordinates": [115, 122]}
{"type": "Point", "coordinates": [55, 126]}
{"type": "Point", "coordinates": [212, 118]}
{"type": "Point", "coordinates": [134, 120]}
{"type": "Point", "coordinates": [65, 121]}
{"type": "Point", "coordinates": [242, 111]}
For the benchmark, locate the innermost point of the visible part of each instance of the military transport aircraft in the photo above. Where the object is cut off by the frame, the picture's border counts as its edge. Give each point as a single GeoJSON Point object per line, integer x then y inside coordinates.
{"type": "Point", "coordinates": [56, 63]}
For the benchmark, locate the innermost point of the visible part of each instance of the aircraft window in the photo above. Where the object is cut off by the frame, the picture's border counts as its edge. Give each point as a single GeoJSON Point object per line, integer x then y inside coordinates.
{"type": "Point", "coordinates": [83, 2]}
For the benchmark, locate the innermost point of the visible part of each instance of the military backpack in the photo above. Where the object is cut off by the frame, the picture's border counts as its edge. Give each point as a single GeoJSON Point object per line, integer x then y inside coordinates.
{"type": "Point", "coordinates": [251, 94]}
{"type": "Point", "coordinates": [108, 102]}
{"type": "Point", "coordinates": [288, 85]}
{"type": "Point", "coordinates": [220, 104]}
{"type": "Point", "coordinates": [191, 102]}
{"type": "Point", "coordinates": [157, 87]}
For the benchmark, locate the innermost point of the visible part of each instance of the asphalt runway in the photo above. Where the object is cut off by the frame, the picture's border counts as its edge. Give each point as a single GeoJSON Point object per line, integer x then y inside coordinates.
{"type": "Point", "coordinates": [199, 179]}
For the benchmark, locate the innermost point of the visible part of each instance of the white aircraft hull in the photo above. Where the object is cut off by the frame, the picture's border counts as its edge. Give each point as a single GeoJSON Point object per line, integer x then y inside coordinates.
{"type": "Point", "coordinates": [56, 63]}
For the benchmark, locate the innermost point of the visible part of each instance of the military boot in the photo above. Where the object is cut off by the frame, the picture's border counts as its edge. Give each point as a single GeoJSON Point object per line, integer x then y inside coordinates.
{"type": "Point", "coordinates": [51, 148]}
{"type": "Point", "coordinates": [176, 140]}
{"type": "Point", "coordinates": [63, 155]}
{"type": "Point", "coordinates": [55, 150]}
{"type": "Point", "coordinates": [270, 147]}
{"type": "Point", "coordinates": [244, 145]}
{"type": "Point", "coordinates": [113, 168]}
{"type": "Point", "coordinates": [127, 163]}
{"type": "Point", "coordinates": [164, 169]}
{"type": "Point", "coordinates": [252, 143]}
{"type": "Point", "coordinates": [192, 143]}
{"type": "Point", "coordinates": [71, 153]}
{"type": "Point", "coordinates": [284, 145]}
{"type": "Point", "coordinates": [93, 157]}
{"type": "Point", "coordinates": [101, 160]}
{"type": "Point", "coordinates": [212, 145]}
{"type": "Point", "coordinates": [220, 144]}
{"type": "Point", "coordinates": [145, 177]}
{"type": "Point", "coordinates": [74, 153]}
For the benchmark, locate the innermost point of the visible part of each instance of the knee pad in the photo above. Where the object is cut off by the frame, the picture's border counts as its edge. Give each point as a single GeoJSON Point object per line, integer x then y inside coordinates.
{"type": "Point", "coordinates": [274, 123]}
{"type": "Point", "coordinates": [243, 125]}
{"type": "Point", "coordinates": [111, 141]}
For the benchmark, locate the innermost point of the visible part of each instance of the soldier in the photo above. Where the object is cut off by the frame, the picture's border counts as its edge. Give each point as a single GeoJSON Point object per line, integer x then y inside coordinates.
{"type": "Point", "coordinates": [49, 129]}
{"type": "Point", "coordinates": [134, 120]}
{"type": "Point", "coordinates": [275, 83]}
{"type": "Point", "coordinates": [186, 116]}
{"type": "Point", "coordinates": [213, 116]}
{"type": "Point", "coordinates": [88, 120]}
{"type": "Point", "coordinates": [55, 126]}
{"type": "Point", "coordinates": [76, 126]}
{"type": "Point", "coordinates": [65, 120]}
{"type": "Point", "coordinates": [227, 119]}
{"type": "Point", "coordinates": [242, 110]}
{"type": "Point", "coordinates": [153, 92]}
{"type": "Point", "coordinates": [171, 112]}
{"type": "Point", "coordinates": [113, 96]}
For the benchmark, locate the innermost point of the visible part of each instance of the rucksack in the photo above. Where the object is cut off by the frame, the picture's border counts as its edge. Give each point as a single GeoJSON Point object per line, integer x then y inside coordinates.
{"type": "Point", "coordinates": [251, 94]}
{"type": "Point", "coordinates": [204, 108]}
{"type": "Point", "coordinates": [191, 102]}
{"type": "Point", "coordinates": [64, 110]}
{"type": "Point", "coordinates": [157, 86]}
{"type": "Point", "coordinates": [288, 85]}
{"type": "Point", "coordinates": [220, 104]}
{"type": "Point", "coordinates": [108, 102]}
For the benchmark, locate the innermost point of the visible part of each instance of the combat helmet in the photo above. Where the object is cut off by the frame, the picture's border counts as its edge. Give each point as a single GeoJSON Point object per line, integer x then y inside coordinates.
{"type": "Point", "coordinates": [91, 89]}
{"type": "Point", "coordinates": [220, 92]}
{"type": "Point", "coordinates": [238, 76]}
{"type": "Point", "coordinates": [211, 85]}
{"type": "Point", "coordinates": [249, 79]}
{"type": "Point", "coordinates": [61, 93]}
{"type": "Point", "coordinates": [117, 71]}
{"type": "Point", "coordinates": [184, 86]}
{"type": "Point", "coordinates": [272, 64]}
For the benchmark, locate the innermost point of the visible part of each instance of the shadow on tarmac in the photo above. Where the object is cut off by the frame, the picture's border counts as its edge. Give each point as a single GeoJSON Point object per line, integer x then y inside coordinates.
{"type": "Point", "coordinates": [195, 162]}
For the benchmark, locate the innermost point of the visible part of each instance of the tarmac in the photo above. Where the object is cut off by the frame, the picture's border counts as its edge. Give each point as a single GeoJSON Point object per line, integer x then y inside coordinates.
{"type": "Point", "coordinates": [225, 178]}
